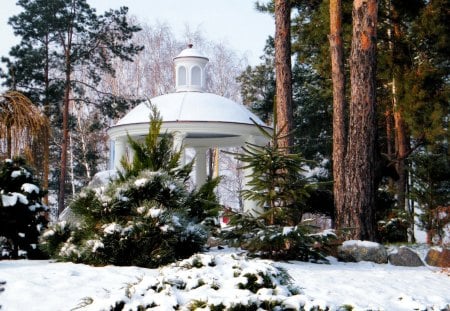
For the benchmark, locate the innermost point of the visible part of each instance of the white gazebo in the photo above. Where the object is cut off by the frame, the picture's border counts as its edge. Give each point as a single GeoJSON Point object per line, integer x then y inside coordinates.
{"type": "Point", "coordinates": [197, 119]}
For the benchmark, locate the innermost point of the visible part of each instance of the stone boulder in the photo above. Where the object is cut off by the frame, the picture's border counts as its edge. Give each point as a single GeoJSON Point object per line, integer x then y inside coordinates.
{"type": "Point", "coordinates": [405, 256]}
{"type": "Point", "coordinates": [355, 251]}
{"type": "Point", "coordinates": [438, 257]}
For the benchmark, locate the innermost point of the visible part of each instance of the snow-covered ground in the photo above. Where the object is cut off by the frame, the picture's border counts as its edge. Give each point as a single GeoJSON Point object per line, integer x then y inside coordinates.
{"type": "Point", "coordinates": [215, 277]}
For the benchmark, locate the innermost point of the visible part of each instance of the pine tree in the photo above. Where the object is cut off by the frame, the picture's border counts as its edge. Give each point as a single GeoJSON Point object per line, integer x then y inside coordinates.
{"type": "Point", "coordinates": [22, 215]}
{"type": "Point", "coordinates": [339, 103]}
{"type": "Point", "coordinates": [258, 85]}
{"type": "Point", "coordinates": [411, 81]}
{"type": "Point", "coordinates": [359, 201]}
{"type": "Point", "coordinates": [66, 36]}
{"type": "Point", "coordinates": [431, 190]}
{"type": "Point", "coordinates": [311, 105]}
{"type": "Point", "coordinates": [148, 217]}
{"type": "Point", "coordinates": [283, 72]}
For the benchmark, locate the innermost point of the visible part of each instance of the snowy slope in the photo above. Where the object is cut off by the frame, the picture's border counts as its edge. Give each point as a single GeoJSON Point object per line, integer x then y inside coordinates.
{"type": "Point", "coordinates": [214, 278]}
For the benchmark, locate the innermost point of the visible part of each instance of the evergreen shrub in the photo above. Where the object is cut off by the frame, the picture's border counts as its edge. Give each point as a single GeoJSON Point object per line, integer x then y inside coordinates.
{"type": "Point", "coordinates": [148, 217]}
{"type": "Point", "coordinates": [23, 216]}
{"type": "Point", "coordinates": [276, 241]}
{"type": "Point", "coordinates": [279, 187]}
{"type": "Point", "coordinates": [393, 229]}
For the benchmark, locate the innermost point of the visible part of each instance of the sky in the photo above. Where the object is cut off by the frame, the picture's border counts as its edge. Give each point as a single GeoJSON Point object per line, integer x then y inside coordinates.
{"type": "Point", "coordinates": [234, 22]}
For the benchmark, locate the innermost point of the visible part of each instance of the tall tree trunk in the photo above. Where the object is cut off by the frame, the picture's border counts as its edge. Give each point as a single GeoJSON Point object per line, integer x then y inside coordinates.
{"type": "Point", "coordinates": [9, 152]}
{"type": "Point", "coordinates": [46, 146]}
{"type": "Point", "coordinates": [72, 165]}
{"type": "Point", "coordinates": [65, 126]}
{"type": "Point", "coordinates": [283, 72]}
{"type": "Point", "coordinates": [339, 127]}
{"type": "Point", "coordinates": [390, 145]}
{"type": "Point", "coordinates": [213, 163]}
{"type": "Point", "coordinates": [402, 146]}
{"type": "Point", "coordinates": [82, 134]}
{"type": "Point", "coordinates": [65, 139]}
{"type": "Point", "coordinates": [402, 142]}
{"type": "Point", "coordinates": [360, 157]}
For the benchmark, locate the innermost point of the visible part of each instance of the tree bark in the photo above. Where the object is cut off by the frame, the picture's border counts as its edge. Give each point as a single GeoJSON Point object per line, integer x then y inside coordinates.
{"type": "Point", "coordinates": [390, 144]}
{"type": "Point", "coordinates": [402, 143]}
{"type": "Point", "coordinates": [283, 73]}
{"type": "Point", "coordinates": [360, 157]}
{"type": "Point", "coordinates": [402, 146]}
{"type": "Point", "coordinates": [46, 147]}
{"type": "Point", "coordinates": [339, 127]}
{"type": "Point", "coordinates": [65, 139]}
{"type": "Point", "coordinates": [65, 126]}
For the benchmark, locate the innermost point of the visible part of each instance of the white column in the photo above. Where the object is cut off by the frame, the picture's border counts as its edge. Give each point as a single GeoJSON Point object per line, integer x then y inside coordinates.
{"type": "Point", "coordinates": [250, 206]}
{"type": "Point", "coordinates": [119, 152]}
{"type": "Point", "coordinates": [200, 166]}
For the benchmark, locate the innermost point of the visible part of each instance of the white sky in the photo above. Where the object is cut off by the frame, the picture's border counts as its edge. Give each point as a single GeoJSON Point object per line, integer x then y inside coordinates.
{"type": "Point", "coordinates": [234, 22]}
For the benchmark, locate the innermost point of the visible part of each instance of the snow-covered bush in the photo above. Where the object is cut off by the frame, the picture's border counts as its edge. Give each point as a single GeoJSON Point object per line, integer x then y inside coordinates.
{"type": "Point", "coordinates": [206, 282]}
{"type": "Point", "coordinates": [22, 213]}
{"type": "Point", "coordinates": [147, 217]}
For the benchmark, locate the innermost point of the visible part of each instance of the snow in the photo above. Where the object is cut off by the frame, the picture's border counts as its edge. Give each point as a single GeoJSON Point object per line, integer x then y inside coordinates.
{"type": "Point", "coordinates": [95, 244]}
{"type": "Point", "coordinates": [112, 228]}
{"type": "Point", "coordinates": [140, 182]}
{"type": "Point", "coordinates": [17, 173]}
{"type": "Point", "coordinates": [11, 199]}
{"type": "Point", "coordinates": [358, 243]}
{"type": "Point", "coordinates": [155, 212]}
{"type": "Point", "coordinates": [214, 277]}
{"type": "Point", "coordinates": [287, 230]}
{"type": "Point", "coordinates": [29, 188]}
{"type": "Point", "coordinates": [190, 106]}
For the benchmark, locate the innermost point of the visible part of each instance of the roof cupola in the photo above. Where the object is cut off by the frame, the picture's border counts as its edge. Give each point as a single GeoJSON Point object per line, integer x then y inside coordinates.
{"type": "Point", "coordinates": [190, 70]}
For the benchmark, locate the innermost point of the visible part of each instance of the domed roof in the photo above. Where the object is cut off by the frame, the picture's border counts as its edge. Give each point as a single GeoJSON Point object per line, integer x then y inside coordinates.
{"type": "Point", "coordinates": [204, 119]}
{"type": "Point", "coordinates": [191, 52]}
{"type": "Point", "coordinates": [192, 107]}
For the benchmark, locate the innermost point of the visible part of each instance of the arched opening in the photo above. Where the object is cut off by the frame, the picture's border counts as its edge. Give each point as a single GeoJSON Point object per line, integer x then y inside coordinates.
{"type": "Point", "coordinates": [181, 75]}
{"type": "Point", "coordinates": [196, 75]}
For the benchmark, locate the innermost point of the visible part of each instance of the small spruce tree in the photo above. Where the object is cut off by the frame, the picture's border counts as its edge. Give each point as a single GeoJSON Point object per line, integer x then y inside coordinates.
{"type": "Point", "coordinates": [281, 190]}
{"type": "Point", "coordinates": [147, 217]}
{"type": "Point", "coordinates": [22, 214]}
{"type": "Point", "coordinates": [277, 183]}
{"type": "Point", "coordinates": [431, 191]}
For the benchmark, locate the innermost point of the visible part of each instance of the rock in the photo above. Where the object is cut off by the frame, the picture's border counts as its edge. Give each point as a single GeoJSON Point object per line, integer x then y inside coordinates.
{"type": "Point", "coordinates": [213, 242]}
{"type": "Point", "coordinates": [355, 251]}
{"type": "Point", "coordinates": [438, 257]}
{"type": "Point", "coordinates": [404, 256]}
